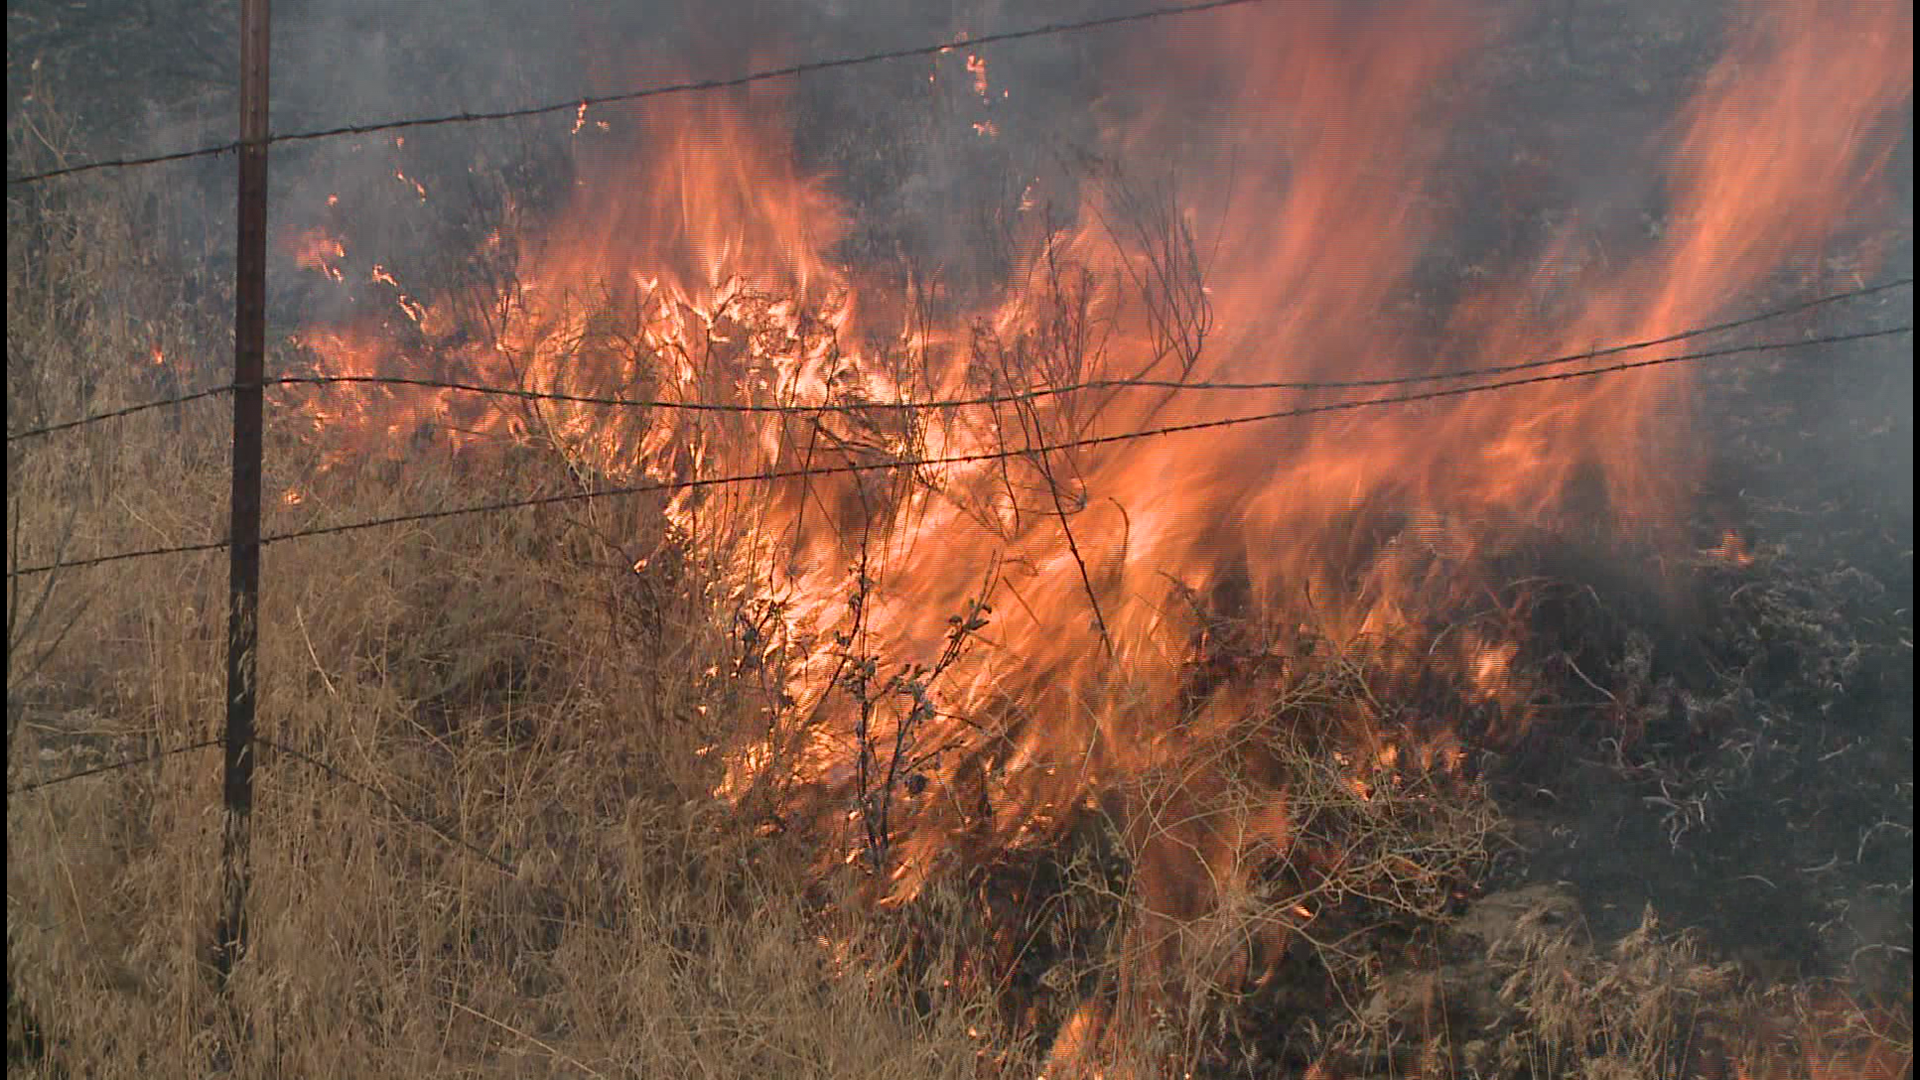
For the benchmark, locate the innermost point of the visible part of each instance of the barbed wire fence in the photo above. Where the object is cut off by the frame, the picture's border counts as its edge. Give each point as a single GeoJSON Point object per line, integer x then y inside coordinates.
{"type": "Point", "coordinates": [910, 463]}
{"type": "Point", "coordinates": [1478, 380]}
{"type": "Point", "coordinates": [1022, 396]}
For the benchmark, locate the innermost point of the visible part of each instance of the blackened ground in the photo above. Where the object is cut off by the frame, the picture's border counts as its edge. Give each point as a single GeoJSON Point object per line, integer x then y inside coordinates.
{"type": "Point", "coordinates": [1770, 804]}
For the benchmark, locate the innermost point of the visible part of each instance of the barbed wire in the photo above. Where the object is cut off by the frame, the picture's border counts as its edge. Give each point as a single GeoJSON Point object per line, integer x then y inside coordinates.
{"type": "Point", "coordinates": [696, 86]}
{"type": "Point", "coordinates": [115, 414]}
{"type": "Point", "coordinates": [418, 817]}
{"type": "Point", "coordinates": [339, 775]}
{"type": "Point", "coordinates": [962, 459]}
{"type": "Point", "coordinates": [1038, 393]}
{"type": "Point", "coordinates": [124, 763]}
{"type": "Point", "coordinates": [1016, 397]}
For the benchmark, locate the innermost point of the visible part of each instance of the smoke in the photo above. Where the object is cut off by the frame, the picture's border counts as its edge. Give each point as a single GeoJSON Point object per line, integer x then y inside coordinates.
{"type": "Point", "coordinates": [927, 166]}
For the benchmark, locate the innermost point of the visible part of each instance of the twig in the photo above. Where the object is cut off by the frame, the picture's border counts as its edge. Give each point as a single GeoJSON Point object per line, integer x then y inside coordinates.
{"type": "Point", "coordinates": [534, 1039]}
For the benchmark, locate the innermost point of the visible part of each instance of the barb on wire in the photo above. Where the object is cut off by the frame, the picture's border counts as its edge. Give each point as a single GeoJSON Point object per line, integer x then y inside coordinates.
{"type": "Point", "coordinates": [100, 560]}
{"type": "Point", "coordinates": [696, 86]}
{"type": "Point", "coordinates": [115, 414]}
{"type": "Point", "coordinates": [1016, 397]}
{"type": "Point", "coordinates": [412, 814]}
{"type": "Point", "coordinates": [994, 455]}
{"type": "Point", "coordinates": [115, 766]}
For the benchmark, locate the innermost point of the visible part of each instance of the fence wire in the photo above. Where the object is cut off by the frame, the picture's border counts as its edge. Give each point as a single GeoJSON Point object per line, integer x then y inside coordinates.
{"type": "Point", "coordinates": [334, 772]}
{"type": "Point", "coordinates": [964, 459]}
{"type": "Point", "coordinates": [697, 86]}
{"type": "Point", "coordinates": [1009, 398]}
{"type": "Point", "coordinates": [113, 766]}
{"type": "Point", "coordinates": [413, 814]}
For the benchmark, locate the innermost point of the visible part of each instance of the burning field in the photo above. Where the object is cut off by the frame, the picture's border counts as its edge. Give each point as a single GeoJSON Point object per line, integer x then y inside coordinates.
{"type": "Point", "coordinates": [1293, 575]}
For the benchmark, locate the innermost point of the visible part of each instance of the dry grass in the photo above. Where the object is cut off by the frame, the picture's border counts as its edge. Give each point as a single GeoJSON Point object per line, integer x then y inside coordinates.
{"type": "Point", "coordinates": [494, 676]}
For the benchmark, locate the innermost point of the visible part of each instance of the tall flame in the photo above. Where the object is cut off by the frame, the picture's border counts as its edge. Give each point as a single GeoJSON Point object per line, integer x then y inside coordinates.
{"type": "Point", "coordinates": [698, 269]}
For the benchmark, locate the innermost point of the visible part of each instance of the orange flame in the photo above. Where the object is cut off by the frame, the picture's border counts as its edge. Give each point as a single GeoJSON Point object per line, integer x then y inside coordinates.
{"type": "Point", "coordinates": [418, 188]}
{"type": "Point", "coordinates": [317, 249]}
{"type": "Point", "coordinates": [1731, 549]}
{"type": "Point", "coordinates": [977, 67]}
{"type": "Point", "coordinates": [1112, 563]}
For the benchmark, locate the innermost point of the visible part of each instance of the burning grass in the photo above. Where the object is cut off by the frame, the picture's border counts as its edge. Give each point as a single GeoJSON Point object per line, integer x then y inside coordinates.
{"type": "Point", "coordinates": [1001, 749]}
{"type": "Point", "coordinates": [528, 690]}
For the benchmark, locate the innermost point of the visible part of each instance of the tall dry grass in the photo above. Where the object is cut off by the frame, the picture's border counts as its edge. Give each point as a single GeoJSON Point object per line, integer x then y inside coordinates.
{"type": "Point", "coordinates": [508, 679]}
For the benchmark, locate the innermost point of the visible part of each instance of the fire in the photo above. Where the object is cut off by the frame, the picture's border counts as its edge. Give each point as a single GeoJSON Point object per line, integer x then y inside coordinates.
{"type": "Point", "coordinates": [319, 250]}
{"type": "Point", "coordinates": [580, 121]}
{"type": "Point", "coordinates": [1058, 620]}
{"type": "Point", "coordinates": [1731, 549]}
{"type": "Point", "coordinates": [418, 188]}
{"type": "Point", "coordinates": [977, 67]}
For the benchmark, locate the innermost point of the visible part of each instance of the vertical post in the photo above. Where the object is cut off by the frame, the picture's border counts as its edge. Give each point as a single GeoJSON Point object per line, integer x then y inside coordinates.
{"type": "Point", "coordinates": [249, 368]}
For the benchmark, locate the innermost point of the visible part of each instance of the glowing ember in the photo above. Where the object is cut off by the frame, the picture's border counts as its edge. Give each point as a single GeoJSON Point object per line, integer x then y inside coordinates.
{"type": "Point", "coordinates": [418, 188]}
{"type": "Point", "coordinates": [977, 67]}
{"type": "Point", "coordinates": [317, 249]}
{"type": "Point", "coordinates": [1731, 549]}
